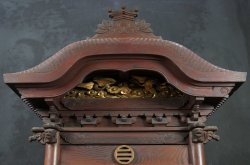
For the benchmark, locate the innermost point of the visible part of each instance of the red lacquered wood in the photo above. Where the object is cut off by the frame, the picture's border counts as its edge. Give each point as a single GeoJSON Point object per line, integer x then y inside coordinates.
{"type": "Point", "coordinates": [199, 154]}
{"type": "Point", "coordinates": [196, 152]}
{"type": "Point", "coordinates": [145, 155]}
{"type": "Point", "coordinates": [53, 152]}
{"type": "Point", "coordinates": [49, 154]}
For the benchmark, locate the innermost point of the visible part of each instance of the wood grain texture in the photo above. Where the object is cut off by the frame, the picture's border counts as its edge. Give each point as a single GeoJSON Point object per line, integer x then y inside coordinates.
{"type": "Point", "coordinates": [49, 154]}
{"type": "Point", "coordinates": [144, 155]}
{"type": "Point", "coordinates": [52, 152]}
{"type": "Point", "coordinates": [125, 138]}
{"type": "Point", "coordinates": [111, 104]}
{"type": "Point", "coordinates": [183, 57]}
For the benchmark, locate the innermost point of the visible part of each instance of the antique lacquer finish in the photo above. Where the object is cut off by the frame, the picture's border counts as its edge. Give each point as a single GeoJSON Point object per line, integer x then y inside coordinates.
{"type": "Point", "coordinates": [124, 96]}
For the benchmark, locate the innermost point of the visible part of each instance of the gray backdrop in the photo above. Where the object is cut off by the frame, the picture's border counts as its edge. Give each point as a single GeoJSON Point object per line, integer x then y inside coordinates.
{"type": "Point", "coordinates": [33, 30]}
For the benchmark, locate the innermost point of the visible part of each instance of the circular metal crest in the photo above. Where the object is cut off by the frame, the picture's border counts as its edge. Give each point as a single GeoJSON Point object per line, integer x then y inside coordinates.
{"type": "Point", "coordinates": [124, 154]}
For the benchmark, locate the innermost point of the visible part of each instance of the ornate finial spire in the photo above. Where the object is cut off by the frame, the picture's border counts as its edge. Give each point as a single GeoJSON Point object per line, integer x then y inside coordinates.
{"type": "Point", "coordinates": [123, 14]}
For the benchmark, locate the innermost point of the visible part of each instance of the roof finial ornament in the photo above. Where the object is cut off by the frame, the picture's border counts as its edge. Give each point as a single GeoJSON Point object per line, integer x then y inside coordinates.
{"type": "Point", "coordinates": [123, 23]}
{"type": "Point", "coordinates": [123, 14]}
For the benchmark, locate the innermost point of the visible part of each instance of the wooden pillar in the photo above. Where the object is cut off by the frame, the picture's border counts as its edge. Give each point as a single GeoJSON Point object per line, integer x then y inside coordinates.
{"type": "Point", "coordinates": [196, 152]}
{"type": "Point", "coordinates": [52, 152]}
{"type": "Point", "coordinates": [199, 154]}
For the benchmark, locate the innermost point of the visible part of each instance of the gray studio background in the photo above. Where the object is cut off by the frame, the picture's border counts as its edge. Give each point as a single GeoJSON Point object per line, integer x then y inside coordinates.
{"type": "Point", "coordinates": [33, 30]}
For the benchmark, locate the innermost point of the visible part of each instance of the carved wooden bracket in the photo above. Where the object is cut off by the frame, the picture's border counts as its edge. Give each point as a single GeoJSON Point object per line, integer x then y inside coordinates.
{"type": "Point", "coordinates": [44, 135]}
{"type": "Point", "coordinates": [124, 120]}
{"type": "Point", "coordinates": [204, 135]}
{"type": "Point", "coordinates": [195, 113]}
{"type": "Point", "coordinates": [158, 119]}
{"type": "Point", "coordinates": [90, 120]}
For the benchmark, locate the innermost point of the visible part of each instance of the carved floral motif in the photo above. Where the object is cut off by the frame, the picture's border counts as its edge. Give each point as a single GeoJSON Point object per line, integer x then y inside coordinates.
{"type": "Point", "coordinates": [121, 27]}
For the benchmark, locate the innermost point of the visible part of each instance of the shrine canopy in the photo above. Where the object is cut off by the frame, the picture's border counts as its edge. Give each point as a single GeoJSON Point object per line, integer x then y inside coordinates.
{"type": "Point", "coordinates": [125, 44]}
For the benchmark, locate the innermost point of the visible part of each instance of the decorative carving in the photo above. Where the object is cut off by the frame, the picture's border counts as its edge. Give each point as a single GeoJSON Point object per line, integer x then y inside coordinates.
{"type": "Point", "coordinates": [198, 124]}
{"type": "Point", "coordinates": [204, 135]}
{"type": "Point", "coordinates": [159, 120]}
{"type": "Point", "coordinates": [123, 22]}
{"type": "Point", "coordinates": [195, 112]}
{"type": "Point", "coordinates": [43, 136]}
{"type": "Point", "coordinates": [123, 14]}
{"type": "Point", "coordinates": [136, 87]}
{"type": "Point", "coordinates": [111, 28]}
{"type": "Point", "coordinates": [124, 120]}
{"type": "Point", "coordinates": [90, 120]}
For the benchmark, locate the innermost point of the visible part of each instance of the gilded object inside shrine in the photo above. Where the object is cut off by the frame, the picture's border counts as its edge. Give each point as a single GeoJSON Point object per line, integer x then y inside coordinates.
{"type": "Point", "coordinates": [134, 87]}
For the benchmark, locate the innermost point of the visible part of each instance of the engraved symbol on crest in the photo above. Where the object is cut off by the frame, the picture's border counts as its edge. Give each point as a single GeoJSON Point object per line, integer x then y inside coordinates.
{"type": "Point", "coordinates": [124, 154]}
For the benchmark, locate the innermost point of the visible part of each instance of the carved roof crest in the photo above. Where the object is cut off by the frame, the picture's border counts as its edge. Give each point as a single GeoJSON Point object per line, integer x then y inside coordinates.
{"type": "Point", "coordinates": [124, 24]}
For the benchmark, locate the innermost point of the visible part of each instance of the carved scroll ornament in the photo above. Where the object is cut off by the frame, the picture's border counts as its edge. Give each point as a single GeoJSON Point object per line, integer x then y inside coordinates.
{"type": "Point", "coordinates": [204, 135]}
{"type": "Point", "coordinates": [45, 134]}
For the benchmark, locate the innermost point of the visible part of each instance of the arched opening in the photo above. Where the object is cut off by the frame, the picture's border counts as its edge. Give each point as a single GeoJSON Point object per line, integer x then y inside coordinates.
{"type": "Point", "coordinates": [118, 84]}
{"type": "Point", "coordinates": [117, 90]}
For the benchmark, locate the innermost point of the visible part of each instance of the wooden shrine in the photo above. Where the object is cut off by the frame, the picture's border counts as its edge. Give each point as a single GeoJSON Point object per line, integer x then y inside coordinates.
{"type": "Point", "coordinates": [124, 96]}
